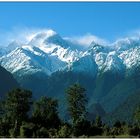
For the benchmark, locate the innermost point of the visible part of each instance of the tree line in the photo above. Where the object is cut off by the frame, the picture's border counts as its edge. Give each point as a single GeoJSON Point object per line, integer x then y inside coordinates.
{"type": "Point", "coordinates": [22, 117]}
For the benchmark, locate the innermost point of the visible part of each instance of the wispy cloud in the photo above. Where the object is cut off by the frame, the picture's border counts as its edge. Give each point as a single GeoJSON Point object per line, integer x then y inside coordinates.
{"type": "Point", "coordinates": [20, 34]}
{"type": "Point", "coordinates": [127, 36]}
{"type": "Point", "coordinates": [25, 34]}
{"type": "Point", "coordinates": [134, 33]}
{"type": "Point", "coordinates": [86, 40]}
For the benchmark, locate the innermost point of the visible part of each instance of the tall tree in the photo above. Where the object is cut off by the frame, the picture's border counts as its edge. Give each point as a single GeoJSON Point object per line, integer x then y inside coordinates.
{"type": "Point", "coordinates": [137, 115]}
{"type": "Point", "coordinates": [98, 121]}
{"type": "Point", "coordinates": [17, 105]}
{"type": "Point", "coordinates": [45, 112]}
{"type": "Point", "coordinates": [77, 101]}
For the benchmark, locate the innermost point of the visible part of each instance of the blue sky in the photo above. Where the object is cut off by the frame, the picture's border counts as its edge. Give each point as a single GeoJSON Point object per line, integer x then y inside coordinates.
{"type": "Point", "coordinates": [108, 20]}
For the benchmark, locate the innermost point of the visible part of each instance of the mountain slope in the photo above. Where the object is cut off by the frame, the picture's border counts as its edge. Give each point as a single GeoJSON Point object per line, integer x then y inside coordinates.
{"type": "Point", "coordinates": [7, 82]}
{"type": "Point", "coordinates": [125, 111]}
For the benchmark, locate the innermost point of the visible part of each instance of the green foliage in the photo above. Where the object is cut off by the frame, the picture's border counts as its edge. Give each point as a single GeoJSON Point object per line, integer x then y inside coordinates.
{"type": "Point", "coordinates": [16, 106]}
{"type": "Point", "coordinates": [45, 122]}
{"type": "Point", "coordinates": [137, 115]}
{"type": "Point", "coordinates": [53, 133]}
{"type": "Point", "coordinates": [119, 128]}
{"type": "Point", "coordinates": [4, 129]}
{"type": "Point", "coordinates": [22, 132]}
{"type": "Point", "coordinates": [45, 112]}
{"type": "Point", "coordinates": [98, 121]}
{"type": "Point", "coordinates": [12, 133]}
{"type": "Point", "coordinates": [134, 131]}
{"type": "Point", "coordinates": [81, 127]}
{"type": "Point", "coordinates": [1, 109]}
{"type": "Point", "coordinates": [117, 124]}
{"type": "Point", "coordinates": [125, 129]}
{"type": "Point", "coordinates": [27, 130]}
{"type": "Point", "coordinates": [64, 131]}
{"type": "Point", "coordinates": [42, 133]}
{"type": "Point", "coordinates": [106, 130]}
{"type": "Point", "coordinates": [95, 130]}
{"type": "Point", "coordinates": [77, 101]}
{"type": "Point", "coordinates": [114, 131]}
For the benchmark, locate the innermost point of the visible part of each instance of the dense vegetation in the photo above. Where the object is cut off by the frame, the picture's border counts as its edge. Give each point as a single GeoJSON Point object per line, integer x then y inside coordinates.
{"type": "Point", "coordinates": [20, 116]}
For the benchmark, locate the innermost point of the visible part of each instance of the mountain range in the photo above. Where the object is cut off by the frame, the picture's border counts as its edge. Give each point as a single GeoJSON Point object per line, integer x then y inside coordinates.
{"type": "Point", "coordinates": [48, 63]}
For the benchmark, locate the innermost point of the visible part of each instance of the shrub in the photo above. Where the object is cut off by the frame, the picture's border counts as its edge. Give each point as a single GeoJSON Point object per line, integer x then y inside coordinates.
{"type": "Point", "coordinates": [42, 133]}
{"type": "Point", "coordinates": [64, 132]}
{"type": "Point", "coordinates": [26, 130]}
{"type": "Point", "coordinates": [53, 133]}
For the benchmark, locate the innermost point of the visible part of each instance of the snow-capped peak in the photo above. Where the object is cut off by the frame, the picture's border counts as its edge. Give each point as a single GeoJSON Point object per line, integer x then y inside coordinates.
{"type": "Point", "coordinates": [126, 43]}
{"type": "Point", "coordinates": [113, 63]}
{"type": "Point", "coordinates": [95, 48]}
{"type": "Point", "coordinates": [11, 46]}
{"type": "Point", "coordinates": [47, 51]}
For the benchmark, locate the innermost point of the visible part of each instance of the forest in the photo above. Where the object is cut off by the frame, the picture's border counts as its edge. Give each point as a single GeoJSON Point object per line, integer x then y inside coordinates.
{"type": "Point", "coordinates": [23, 117]}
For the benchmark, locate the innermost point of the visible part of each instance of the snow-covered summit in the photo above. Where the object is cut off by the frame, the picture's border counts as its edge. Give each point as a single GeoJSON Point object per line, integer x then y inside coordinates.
{"type": "Point", "coordinates": [48, 52]}
{"type": "Point", "coordinates": [126, 43]}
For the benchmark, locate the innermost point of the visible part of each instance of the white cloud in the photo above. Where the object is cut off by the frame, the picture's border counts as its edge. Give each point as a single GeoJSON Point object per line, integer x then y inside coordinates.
{"type": "Point", "coordinates": [132, 34]}
{"type": "Point", "coordinates": [20, 34]}
{"type": "Point", "coordinates": [25, 34]}
{"type": "Point", "coordinates": [86, 40]}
